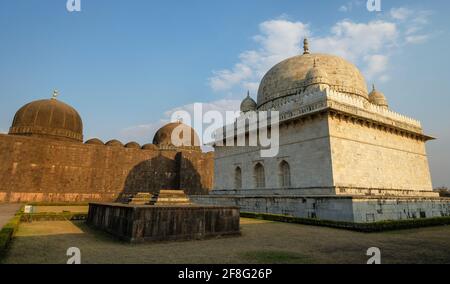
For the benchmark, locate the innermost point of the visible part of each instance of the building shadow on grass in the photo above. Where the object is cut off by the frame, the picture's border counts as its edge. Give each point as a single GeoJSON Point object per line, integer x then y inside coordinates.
{"type": "Point", "coordinates": [160, 173]}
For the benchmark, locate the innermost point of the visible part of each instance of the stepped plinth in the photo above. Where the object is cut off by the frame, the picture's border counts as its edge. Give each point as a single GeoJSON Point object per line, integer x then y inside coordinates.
{"type": "Point", "coordinates": [170, 197]}
{"type": "Point", "coordinates": [163, 197]}
{"type": "Point", "coordinates": [164, 215]}
{"type": "Point", "coordinates": [140, 198]}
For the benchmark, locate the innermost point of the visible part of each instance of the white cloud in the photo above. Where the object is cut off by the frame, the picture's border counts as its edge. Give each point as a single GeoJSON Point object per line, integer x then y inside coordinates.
{"type": "Point", "coordinates": [252, 87]}
{"type": "Point", "coordinates": [416, 39]}
{"type": "Point", "coordinates": [278, 39]}
{"type": "Point", "coordinates": [224, 78]}
{"type": "Point", "coordinates": [344, 8]}
{"type": "Point", "coordinates": [401, 13]}
{"type": "Point", "coordinates": [355, 41]}
{"type": "Point", "coordinates": [365, 44]}
{"type": "Point", "coordinates": [369, 45]}
{"type": "Point", "coordinates": [376, 65]}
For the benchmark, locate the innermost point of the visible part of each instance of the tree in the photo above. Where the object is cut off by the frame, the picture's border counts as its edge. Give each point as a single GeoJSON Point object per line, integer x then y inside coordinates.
{"type": "Point", "coordinates": [443, 191]}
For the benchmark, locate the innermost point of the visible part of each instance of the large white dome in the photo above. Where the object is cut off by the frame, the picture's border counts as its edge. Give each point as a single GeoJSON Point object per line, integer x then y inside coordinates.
{"type": "Point", "coordinates": [290, 77]}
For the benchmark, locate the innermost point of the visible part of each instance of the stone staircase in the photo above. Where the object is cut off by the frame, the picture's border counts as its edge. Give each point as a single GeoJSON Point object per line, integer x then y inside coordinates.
{"type": "Point", "coordinates": [163, 197]}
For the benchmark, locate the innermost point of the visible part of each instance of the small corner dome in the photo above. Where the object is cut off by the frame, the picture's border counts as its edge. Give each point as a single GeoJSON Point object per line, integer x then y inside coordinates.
{"type": "Point", "coordinates": [376, 97]}
{"type": "Point", "coordinates": [248, 104]}
{"type": "Point", "coordinates": [163, 136]}
{"type": "Point", "coordinates": [48, 118]}
{"type": "Point", "coordinates": [316, 75]}
{"type": "Point", "coordinates": [94, 141]}
{"type": "Point", "coordinates": [114, 143]}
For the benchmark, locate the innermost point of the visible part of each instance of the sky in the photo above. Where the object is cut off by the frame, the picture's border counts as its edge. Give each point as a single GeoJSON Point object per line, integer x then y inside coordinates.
{"type": "Point", "coordinates": [127, 65]}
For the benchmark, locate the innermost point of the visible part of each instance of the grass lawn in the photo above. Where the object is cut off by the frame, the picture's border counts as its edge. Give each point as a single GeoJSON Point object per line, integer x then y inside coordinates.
{"type": "Point", "coordinates": [261, 242]}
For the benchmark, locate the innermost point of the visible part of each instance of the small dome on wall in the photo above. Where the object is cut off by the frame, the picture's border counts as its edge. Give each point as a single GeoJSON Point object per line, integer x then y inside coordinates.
{"type": "Point", "coordinates": [150, 147]}
{"type": "Point", "coordinates": [163, 137]}
{"type": "Point", "coordinates": [133, 145]}
{"type": "Point", "coordinates": [94, 141]}
{"type": "Point", "coordinates": [114, 143]}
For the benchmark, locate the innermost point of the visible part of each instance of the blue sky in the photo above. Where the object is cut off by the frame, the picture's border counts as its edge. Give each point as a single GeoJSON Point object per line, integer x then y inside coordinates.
{"type": "Point", "coordinates": [124, 65]}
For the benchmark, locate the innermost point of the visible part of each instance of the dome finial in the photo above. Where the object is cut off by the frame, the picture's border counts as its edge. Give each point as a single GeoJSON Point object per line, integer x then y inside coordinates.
{"type": "Point", "coordinates": [305, 46]}
{"type": "Point", "coordinates": [55, 94]}
{"type": "Point", "coordinates": [373, 87]}
{"type": "Point", "coordinates": [248, 93]}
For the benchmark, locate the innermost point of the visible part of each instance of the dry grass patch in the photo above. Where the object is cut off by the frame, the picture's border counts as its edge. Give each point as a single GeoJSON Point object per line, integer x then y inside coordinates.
{"type": "Point", "coordinates": [60, 209]}
{"type": "Point", "coordinates": [47, 228]}
{"type": "Point", "coordinates": [261, 242]}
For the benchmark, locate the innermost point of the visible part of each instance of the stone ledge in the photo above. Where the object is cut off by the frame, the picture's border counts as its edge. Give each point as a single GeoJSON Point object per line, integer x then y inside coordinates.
{"type": "Point", "coordinates": [325, 191]}
{"type": "Point", "coordinates": [165, 207]}
{"type": "Point", "coordinates": [350, 197]}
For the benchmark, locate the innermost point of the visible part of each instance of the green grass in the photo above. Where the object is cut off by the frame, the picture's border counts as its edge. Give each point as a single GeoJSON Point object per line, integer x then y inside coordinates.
{"type": "Point", "coordinates": [8, 231]}
{"type": "Point", "coordinates": [53, 216]}
{"type": "Point", "coordinates": [359, 227]}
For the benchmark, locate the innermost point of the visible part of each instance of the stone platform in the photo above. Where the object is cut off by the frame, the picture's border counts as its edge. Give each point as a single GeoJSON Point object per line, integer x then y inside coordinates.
{"type": "Point", "coordinates": [138, 223]}
{"type": "Point", "coordinates": [355, 209]}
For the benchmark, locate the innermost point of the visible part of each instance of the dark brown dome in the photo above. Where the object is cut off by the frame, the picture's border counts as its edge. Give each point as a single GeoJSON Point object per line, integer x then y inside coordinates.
{"type": "Point", "coordinates": [48, 119]}
{"type": "Point", "coordinates": [133, 145]}
{"type": "Point", "coordinates": [163, 137]}
{"type": "Point", "coordinates": [150, 147]}
{"type": "Point", "coordinates": [114, 143]}
{"type": "Point", "coordinates": [94, 141]}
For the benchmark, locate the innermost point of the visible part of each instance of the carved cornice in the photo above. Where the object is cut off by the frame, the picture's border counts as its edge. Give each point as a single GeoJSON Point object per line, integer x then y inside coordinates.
{"type": "Point", "coordinates": [305, 104]}
{"type": "Point", "coordinates": [359, 109]}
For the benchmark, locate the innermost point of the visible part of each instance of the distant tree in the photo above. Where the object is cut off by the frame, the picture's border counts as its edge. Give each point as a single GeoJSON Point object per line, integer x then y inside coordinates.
{"type": "Point", "coordinates": [443, 191]}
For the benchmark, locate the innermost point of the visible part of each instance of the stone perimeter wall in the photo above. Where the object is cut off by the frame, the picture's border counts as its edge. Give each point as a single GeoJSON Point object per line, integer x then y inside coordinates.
{"type": "Point", "coordinates": [36, 169]}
